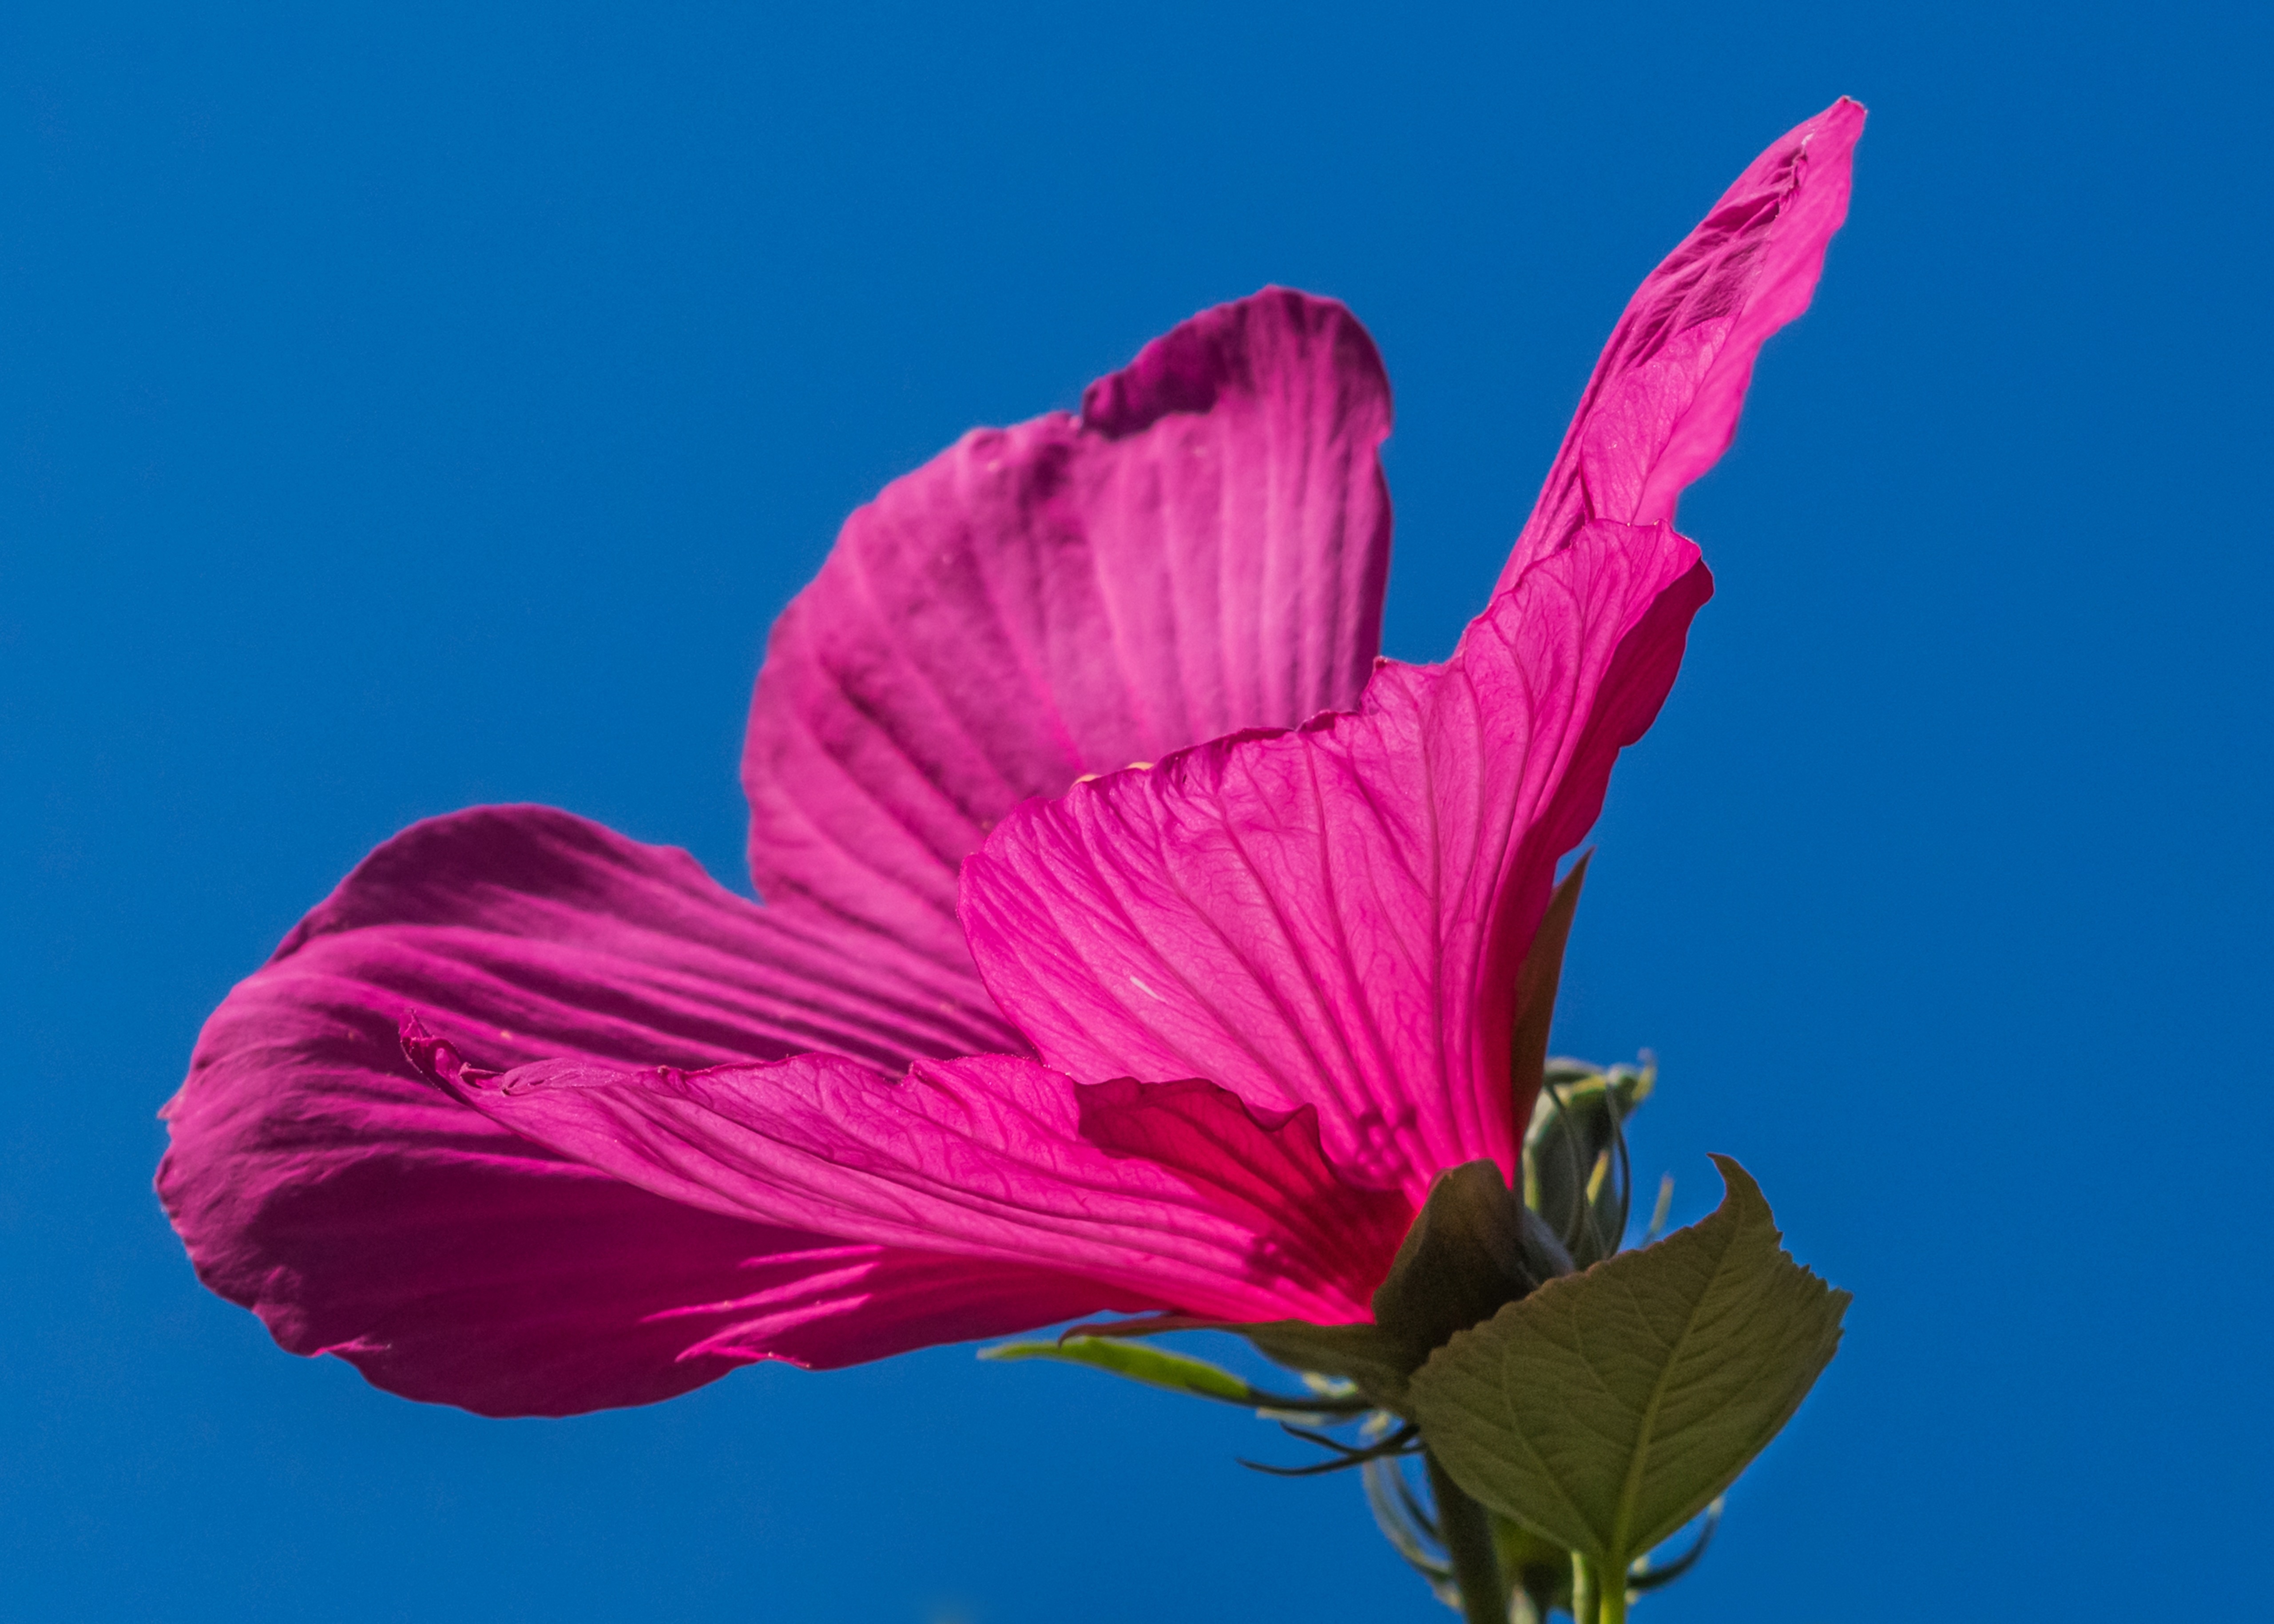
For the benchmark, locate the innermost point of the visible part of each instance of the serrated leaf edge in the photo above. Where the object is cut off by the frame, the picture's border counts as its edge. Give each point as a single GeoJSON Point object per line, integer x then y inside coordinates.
{"type": "Point", "coordinates": [1741, 1196]}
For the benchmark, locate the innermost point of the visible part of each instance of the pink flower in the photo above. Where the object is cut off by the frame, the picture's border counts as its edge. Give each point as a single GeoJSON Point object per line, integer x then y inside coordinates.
{"type": "Point", "coordinates": [1093, 975]}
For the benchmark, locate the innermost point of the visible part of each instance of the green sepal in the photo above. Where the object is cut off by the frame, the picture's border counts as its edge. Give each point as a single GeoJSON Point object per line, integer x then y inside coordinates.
{"type": "Point", "coordinates": [1156, 1367]}
{"type": "Point", "coordinates": [1173, 1373]}
{"type": "Point", "coordinates": [1471, 1248]}
{"type": "Point", "coordinates": [1536, 982]}
{"type": "Point", "coordinates": [1360, 1354]}
{"type": "Point", "coordinates": [1608, 1408]}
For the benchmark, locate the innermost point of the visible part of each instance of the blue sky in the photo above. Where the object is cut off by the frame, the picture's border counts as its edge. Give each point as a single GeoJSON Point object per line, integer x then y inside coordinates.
{"type": "Point", "coordinates": [404, 407]}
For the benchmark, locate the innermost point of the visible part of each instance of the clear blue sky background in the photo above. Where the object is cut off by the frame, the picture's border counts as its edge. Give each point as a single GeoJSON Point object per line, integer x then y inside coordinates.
{"type": "Point", "coordinates": [413, 406]}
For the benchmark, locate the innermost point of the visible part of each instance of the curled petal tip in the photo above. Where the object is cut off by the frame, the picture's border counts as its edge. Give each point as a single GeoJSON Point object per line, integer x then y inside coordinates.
{"type": "Point", "coordinates": [1833, 132]}
{"type": "Point", "coordinates": [1663, 403]}
{"type": "Point", "coordinates": [436, 1060]}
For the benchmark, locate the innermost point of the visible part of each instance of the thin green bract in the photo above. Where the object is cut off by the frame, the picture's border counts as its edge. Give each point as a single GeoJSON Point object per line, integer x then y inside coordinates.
{"type": "Point", "coordinates": [1608, 1408]}
{"type": "Point", "coordinates": [1154, 1366]}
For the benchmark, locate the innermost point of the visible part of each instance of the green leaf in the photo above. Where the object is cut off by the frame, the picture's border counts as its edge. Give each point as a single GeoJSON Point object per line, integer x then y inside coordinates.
{"type": "Point", "coordinates": [1607, 1408]}
{"type": "Point", "coordinates": [1156, 1367]}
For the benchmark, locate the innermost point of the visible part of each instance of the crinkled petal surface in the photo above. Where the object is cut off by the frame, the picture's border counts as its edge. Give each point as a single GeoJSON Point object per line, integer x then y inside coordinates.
{"type": "Point", "coordinates": [318, 1179]}
{"type": "Point", "coordinates": [1204, 549]}
{"type": "Point", "coordinates": [1664, 399]}
{"type": "Point", "coordinates": [1175, 1193]}
{"type": "Point", "coordinates": [1333, 916]}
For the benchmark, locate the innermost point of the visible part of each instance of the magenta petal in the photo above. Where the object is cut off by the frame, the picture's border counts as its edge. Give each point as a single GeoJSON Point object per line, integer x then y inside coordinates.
{"type": "Point", "coordinates": [835, 1304]}
{"type": "Point", "coordinates": [1664, 399]}
{"type": "Point", "coordinates": [1333, 917]}
{"type": "Point", "coordinates": [1203, 549]}
{"type": "Point", "coordinates": [1173, 1196]}
{"type": "Point", "coordinates": [317, 1179]}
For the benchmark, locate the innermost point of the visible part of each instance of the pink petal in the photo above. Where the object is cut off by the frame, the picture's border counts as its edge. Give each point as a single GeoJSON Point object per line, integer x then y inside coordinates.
{"type": "Point", "coordinates": [834, 1304]}
{"type": "Point", "coordinates": [1331, 918]}
{"type": "Point", "coordinates": [1203, 549]}
{"type": "Point", "coordinates": [1334, 916]}
{"type": "Point", "coordinates": [317, 1179]}
{"type": "Point", "coordinates": [1172, 1195]}
{"type": "Point", "coordinates": [1663, 403]}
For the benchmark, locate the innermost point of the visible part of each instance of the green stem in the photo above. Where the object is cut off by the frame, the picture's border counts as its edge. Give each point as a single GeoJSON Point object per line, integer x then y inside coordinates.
{"type": "Point", "coordinates": [1467, 1533]}
{"type": "Point", "coordinates": [1599, 1595]}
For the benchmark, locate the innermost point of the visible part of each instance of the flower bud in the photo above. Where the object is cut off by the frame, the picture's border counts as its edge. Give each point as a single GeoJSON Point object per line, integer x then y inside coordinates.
{"type": "Point", "coordinates": [1576, 1171]}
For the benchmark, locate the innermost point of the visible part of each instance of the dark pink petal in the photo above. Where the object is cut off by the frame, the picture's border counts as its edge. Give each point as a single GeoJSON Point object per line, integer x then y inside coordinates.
{"type": "Point", "coordinates": [1334, 916]}
{"type": "Point", "coordinates": [317, 1179]}
{"type": "Point", "coordinates": [1204, 549]}
{"type": "Point", "coordinates": [837, 1304]}
{"type": "Point", "coordinates": [1174, 1195]}
{"type": "Point", "coordinates": [1663, 402]}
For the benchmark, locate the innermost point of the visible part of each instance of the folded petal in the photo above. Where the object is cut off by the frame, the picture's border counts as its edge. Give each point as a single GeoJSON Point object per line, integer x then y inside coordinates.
{"type": "Point", "coordinates": [318, 1179]}
{"type": "Point", "coordinates": [1663, 402]}
{"type": "Point", "coordinates": [1204, 549]}
{"type": "Point", "coordinates": [1173, 1196]}
{"type": "Point", "coordinates": [1334, 917]}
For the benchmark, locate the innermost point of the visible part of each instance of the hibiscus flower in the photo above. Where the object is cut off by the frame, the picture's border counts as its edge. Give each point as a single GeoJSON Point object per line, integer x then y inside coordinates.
{"type": "Point", "coordinates": [1134, 938]}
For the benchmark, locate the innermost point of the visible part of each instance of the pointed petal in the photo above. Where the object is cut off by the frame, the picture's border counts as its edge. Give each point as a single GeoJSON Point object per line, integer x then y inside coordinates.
{"type": "Point", "coordinates": [1334, 916]}
{"type": "Point", "coordinates": [1204, 549]}
{"type": "Point", "coordinates": [318, 1180]}
{"type": "Point", "coordinates": [1173, 1193]}
{"type": "Point", "coordinates": [1663, 403]}
{"type": "Point", "coordinates": [1338, 916]}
